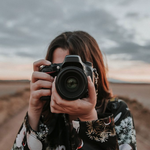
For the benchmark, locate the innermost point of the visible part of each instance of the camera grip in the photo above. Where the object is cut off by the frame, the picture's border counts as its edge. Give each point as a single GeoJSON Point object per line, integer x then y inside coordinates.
{"type": "Point", "coordinates": [45, 98]}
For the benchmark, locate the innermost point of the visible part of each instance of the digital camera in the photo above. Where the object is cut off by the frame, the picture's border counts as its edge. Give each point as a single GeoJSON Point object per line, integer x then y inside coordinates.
{"type": "Point", "coordinates": [71, 81]}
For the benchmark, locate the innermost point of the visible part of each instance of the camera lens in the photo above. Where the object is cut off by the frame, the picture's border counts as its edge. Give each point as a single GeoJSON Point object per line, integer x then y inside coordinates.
{"type": "Point", "coordinates": [71, 83]}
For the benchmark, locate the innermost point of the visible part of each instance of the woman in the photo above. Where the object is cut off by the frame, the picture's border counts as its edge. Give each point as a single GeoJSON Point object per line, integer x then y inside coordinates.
{"type": "Point", "coordinates": [96, 122]}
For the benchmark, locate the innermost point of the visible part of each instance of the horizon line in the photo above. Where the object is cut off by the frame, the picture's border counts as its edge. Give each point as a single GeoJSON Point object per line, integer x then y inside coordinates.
{"type": "Point", "coordinates": [110, 80]}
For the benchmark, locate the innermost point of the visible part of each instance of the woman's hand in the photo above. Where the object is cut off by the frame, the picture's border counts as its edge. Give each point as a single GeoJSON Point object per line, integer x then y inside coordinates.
{"type": "Point", "coordinates": [41, 84]}
{"type": "Point", "coordinates": [84, 109]}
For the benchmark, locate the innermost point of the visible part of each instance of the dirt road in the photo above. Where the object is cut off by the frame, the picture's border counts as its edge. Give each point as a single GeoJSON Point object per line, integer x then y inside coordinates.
{"type": "Point", "coordinates": [9, 130]}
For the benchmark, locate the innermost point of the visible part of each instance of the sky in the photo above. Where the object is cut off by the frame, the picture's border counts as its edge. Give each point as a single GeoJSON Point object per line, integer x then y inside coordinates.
{"type": "Point", "coordinates": [121, 28]}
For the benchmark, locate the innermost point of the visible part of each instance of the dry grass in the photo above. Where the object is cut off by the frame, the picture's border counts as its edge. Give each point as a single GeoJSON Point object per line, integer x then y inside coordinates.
{"type": "Point", "coordinates": [14, 102]}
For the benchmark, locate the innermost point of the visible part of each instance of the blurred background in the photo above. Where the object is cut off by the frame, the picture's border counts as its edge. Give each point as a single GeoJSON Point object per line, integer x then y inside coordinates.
{"type": "Point", "coordinates": [121, 28]}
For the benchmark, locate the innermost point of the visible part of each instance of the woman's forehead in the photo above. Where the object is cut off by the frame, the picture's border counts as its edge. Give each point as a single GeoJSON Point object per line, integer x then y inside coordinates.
{"type": "Point", "coordinates": [59, 55]}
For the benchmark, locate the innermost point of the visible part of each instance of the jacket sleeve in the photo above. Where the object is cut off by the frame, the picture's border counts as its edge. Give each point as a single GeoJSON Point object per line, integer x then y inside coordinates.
{"type": "Point", "coordinates": [28, 139]}
{"type": "Point", "coordinates": [98, 134]}
{"type": "Point", "coordinates": [124, 125]}
{"type": "Point", "coordinates": [114, 130]}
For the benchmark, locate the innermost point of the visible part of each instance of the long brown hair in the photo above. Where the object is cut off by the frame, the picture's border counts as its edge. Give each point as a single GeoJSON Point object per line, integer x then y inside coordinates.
{"type": "Point", "coordinates": [82, 44]}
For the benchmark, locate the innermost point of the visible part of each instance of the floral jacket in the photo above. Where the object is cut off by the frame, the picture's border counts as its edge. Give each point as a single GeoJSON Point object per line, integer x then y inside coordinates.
{"type": "Point", "coordinates": [114, 130]}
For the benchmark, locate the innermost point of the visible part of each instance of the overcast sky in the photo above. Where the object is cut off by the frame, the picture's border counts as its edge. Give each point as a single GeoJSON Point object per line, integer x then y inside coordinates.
{"type": "Point", "coordinates": [121, 28]}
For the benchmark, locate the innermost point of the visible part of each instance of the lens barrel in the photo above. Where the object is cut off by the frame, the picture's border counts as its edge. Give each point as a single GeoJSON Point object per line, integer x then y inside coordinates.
{"type": "Point", "coordinates": [71, 83]}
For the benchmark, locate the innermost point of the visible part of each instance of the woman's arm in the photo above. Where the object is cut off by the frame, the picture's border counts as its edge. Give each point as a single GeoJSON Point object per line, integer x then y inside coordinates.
{"type": "Point", "coordinates": [32, 131]}
{"type": "Point", "coordinates": [97, 134]}
{"type": "Point", "coordinates": [27, 138]}
{"type": "Point", "coordinates": [113, 130]}
{"type": "Point", "coordinates": [41, 84]}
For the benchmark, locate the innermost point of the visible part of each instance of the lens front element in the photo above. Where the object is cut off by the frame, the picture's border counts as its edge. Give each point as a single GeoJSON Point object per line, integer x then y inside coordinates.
{"type": "Point", "coordinates": [71, 83]}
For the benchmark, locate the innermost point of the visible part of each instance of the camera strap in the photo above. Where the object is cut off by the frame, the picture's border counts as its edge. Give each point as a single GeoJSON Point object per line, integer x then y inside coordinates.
{"type": "Point", "coordinates": [96, 77]}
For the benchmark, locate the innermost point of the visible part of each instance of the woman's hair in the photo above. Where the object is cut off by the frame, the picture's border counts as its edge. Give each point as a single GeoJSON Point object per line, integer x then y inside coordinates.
{"type": "Point", "coordinates": [82, 44]}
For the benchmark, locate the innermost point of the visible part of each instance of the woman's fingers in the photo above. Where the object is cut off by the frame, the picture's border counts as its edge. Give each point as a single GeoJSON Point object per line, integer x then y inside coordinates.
{"type": "Point", "coordinates": [55, 108]}
{"type": "Point", "coordinates": [63, 106]}
{"type": "Point", "coordinates": [37, 64]}
{"type": "Point", "coordinates": [41, 84]}
{"type": "Point", "coordinates": [41, 76]}
{"type": "Point", "coordinates": [39, 93]}
{"type": "Point", "coordinates": [91, 91]}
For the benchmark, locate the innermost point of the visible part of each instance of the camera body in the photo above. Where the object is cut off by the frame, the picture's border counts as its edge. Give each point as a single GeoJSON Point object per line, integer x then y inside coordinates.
{"type": "Point", "coordinates": [71, 81]}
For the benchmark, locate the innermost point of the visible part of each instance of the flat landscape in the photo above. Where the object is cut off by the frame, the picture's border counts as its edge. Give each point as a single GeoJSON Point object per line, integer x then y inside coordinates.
{"type": "Point", "coordinates": [14, 98]}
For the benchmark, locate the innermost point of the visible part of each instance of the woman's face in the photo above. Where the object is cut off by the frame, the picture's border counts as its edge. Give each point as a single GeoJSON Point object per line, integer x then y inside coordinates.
{"type": "Point", "coordinates": [59, 55]}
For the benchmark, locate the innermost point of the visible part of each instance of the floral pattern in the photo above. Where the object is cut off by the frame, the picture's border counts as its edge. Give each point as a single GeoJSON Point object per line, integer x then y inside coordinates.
{"type": "Point", "coordinates": [126, 131]}
{"type": "Point", "coordinates": [99, 130]}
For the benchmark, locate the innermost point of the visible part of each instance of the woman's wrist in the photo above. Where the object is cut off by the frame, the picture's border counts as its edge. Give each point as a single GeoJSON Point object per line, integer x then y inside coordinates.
{"type": "Point", "coordinates": [33, 118]}
{"type": "Point", "coordinates": [90, 116]}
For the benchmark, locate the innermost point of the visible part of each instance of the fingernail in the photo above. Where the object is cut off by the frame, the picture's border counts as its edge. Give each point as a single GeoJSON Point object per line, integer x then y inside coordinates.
{"type": "Point", "coordinates": [89, 77]}
{"type": "Point", "coordinates": [48, 62]}
{"type": "Point", "coordinates": [52, 78]}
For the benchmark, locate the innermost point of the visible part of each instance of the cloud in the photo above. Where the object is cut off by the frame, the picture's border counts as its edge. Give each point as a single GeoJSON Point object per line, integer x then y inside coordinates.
{"type": "Point", "coordinates": [134, 51]}
{"type": "Point", "coordinates": [132, 15]}
{"type": "Point", "coordinates": [26, 54]}
{"type": "Point", "coordinates": [27, 27]}
{"type": "Point", "coordinates": [125, 2]}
